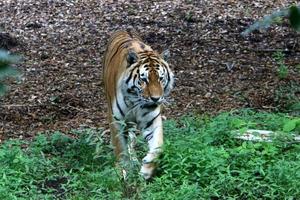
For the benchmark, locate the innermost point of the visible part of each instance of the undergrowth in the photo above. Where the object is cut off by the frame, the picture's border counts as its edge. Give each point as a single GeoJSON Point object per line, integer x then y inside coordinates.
{"type": "Point", "coordinates": [202, 159]}
{"type": "Point", "coordinates": [287, 98]}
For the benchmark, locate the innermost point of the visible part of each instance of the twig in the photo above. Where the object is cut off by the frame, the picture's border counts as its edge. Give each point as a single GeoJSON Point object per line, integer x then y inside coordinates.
{"type": "Point", "coordinates": [38, 105]}
{"type": "Point", "coordinates": [19, 105]}
{"type": "Point", "coordinates": [273, 50]}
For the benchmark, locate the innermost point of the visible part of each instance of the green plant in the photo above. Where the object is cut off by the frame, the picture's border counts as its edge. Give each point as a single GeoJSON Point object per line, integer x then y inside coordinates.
{"type": "Point", "coordinates": [6, 60]}
{"type": "Point", "coordinates": [298, 67]}
{"type": "Point", "coordinates": [294, 17]}
{"type": "Point", "coordinates": [190, 16]}
{"type": "Point", "coordinates": [282, 70]}
{"type": "Point", "coordinates": [291, 125]}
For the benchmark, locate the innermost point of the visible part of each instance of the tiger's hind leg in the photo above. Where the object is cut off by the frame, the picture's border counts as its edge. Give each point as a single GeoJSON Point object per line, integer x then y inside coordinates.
{"type": "Point", "coordinates": [153, 134]}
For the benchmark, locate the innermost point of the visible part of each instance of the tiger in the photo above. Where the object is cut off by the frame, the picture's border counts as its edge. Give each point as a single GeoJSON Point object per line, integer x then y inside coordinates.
{"type": "Point", "coordinates": [137, 81]}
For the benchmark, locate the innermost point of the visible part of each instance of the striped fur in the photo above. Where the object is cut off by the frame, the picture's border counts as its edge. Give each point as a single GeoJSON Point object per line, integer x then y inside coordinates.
{"type": "Point", "coordinates": [136, 80]}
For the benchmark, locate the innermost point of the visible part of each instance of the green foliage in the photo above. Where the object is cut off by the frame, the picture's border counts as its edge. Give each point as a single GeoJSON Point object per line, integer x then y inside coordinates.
{"type": "Point", "coordinates": [215, 165]}
{"type": "Point", "coordinates": [298, 67]}
{"type": "Point", "coordinates": [190, 16]}
{"type": "Point", "coordinates": [57, 166]}
{"type": "Point", "coordinates": [292, 13]}
{"type": "Point", "coordinates": [202, 159]}
{"type": "Point", "coordinates": [5, 68]}
{"type": "Point", "coordinates": [282, 70]}
{"type": "Point", "coordinates": [291, 125]}
{"type": "Point", "coordinates": [295, 17]}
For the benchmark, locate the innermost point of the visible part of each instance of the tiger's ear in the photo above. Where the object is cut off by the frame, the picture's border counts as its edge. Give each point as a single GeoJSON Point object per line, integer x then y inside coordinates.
{"type": "Point", "coordinates": [131, 58]}
{"type": "Point", "coordinates": [165, 54]}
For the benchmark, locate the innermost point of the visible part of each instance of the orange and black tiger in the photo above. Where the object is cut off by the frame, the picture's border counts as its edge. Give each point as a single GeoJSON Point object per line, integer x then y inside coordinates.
{"type": "Point", "coordinates": [137, 80]}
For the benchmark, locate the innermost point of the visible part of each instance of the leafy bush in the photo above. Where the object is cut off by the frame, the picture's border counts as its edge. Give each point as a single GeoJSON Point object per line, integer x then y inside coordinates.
{"type": "Point", "coordinates": [292, 14]}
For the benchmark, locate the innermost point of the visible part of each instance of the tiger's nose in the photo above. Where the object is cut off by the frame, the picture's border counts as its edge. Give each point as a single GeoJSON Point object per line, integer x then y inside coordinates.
{"type": "Point", "coordinates": [155, 99]}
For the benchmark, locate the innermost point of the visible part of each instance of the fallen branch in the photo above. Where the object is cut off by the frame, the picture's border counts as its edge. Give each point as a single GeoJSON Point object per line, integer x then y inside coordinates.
{"type": "Point", "coordinates": [261, 136]}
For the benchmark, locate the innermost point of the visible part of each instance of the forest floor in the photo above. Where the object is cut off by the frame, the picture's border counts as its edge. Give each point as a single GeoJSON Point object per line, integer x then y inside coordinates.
{"type": "Point", "coordinates": [217, 69]}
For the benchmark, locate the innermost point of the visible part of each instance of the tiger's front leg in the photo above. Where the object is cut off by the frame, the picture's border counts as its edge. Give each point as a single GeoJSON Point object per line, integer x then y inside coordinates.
{"type": "Point", "coordinates": [123, 149]}
{"type": "Point", "coordinates": [153, 134]}
{"type": "Point", "coordinates": [118, 140]}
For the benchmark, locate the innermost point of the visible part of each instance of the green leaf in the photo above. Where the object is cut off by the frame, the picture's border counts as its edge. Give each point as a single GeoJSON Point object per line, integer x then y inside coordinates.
{"type": "Point", "coordinates": [238, 123]}
{"type": "Point", "coordinates": [295, 17]}
{"type": "Point", "coordinates": [295, 106]}
{"type": "Point", "coordinates": [289, 125]}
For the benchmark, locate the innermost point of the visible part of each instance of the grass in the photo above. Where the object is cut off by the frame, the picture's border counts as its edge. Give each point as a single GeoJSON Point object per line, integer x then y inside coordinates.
{"type": "Point", "coordinates": [201, 160]}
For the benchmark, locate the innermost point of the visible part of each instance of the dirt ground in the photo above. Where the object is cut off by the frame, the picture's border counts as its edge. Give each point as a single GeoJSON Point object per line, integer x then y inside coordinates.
{"type": "Point", "coordinates": [62, 44]}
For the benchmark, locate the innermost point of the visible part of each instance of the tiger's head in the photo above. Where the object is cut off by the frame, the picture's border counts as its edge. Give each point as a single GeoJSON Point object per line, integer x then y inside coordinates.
{"type": "Point", "coordinates": [148, 78]}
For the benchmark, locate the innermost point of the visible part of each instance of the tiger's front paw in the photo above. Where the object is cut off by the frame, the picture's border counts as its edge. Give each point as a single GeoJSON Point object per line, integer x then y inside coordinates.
{"type": "Point", "coordinates": [149, 158]}
{"type": "Point", "coordinates": [147, 170]}
{"type": "Point", "coordinates": [148, 166]}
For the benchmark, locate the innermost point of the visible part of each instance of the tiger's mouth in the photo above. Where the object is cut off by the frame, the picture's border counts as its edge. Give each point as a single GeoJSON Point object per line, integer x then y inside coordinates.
{"type": "Point", "coordinates": [137, 97]}
{"type": "Point", "coordinates": [152, 102]}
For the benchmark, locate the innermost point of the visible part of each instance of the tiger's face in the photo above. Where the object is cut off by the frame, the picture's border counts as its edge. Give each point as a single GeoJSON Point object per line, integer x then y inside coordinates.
{"type": "Point", "coordinates": [148, 78]}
